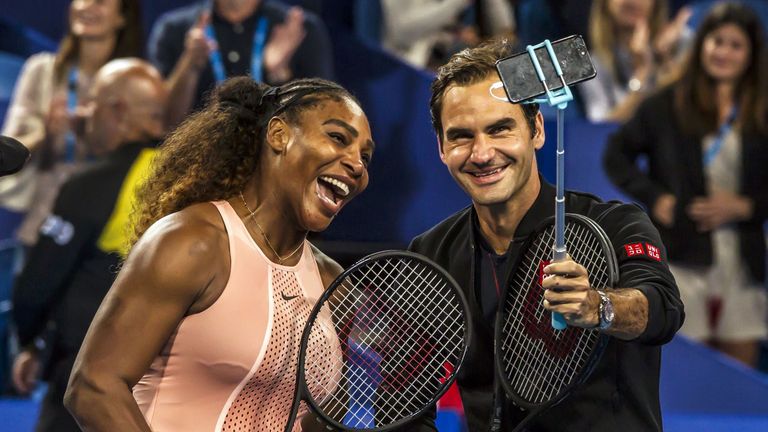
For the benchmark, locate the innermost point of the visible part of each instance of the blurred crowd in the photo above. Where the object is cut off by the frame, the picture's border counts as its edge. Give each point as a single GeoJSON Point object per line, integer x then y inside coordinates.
{"type": "Point", "coordinates": [692, 147]}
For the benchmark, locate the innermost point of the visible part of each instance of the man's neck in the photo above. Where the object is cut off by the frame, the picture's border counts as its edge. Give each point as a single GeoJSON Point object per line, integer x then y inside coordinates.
{"type": "Point", "coordinates": [236, 11]}
{"type": "Point", "coordinates": [499, 222]}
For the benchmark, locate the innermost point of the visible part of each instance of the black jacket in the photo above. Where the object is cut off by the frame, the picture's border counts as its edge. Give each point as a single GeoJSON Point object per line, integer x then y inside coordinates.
{"type": "Point", "coordinates": [675, 166]}
{"type": "Point", "coordinates": [75, 260]}
{"type": "Point", "coordinates": [623, 391]}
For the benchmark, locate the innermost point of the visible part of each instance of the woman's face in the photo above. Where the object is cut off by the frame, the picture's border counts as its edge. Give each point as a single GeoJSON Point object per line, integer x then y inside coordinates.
{"type": "Point", "coordinates": [95, 18]}
{"type": "Point", "coordinates": [324, 163]}
{"type": "Point", "coordinates": [627, 14]}
{"type": "Point", "coordinates": [725, 54]}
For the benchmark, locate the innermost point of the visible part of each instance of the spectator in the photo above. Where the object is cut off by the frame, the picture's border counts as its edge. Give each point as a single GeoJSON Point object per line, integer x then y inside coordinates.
{"type": "Point", "coordinates": [73, 264]}
{"type": "Point", "coordinates": [48, 89]}
{"type": "Point", "coordinates": [413, 28]}
{"type": "Point", "coordinates": [202, 44]}
{"type": "Point", "coordinates": [705, 138]}
{"type": "Point", "coordinates": [632, 45]}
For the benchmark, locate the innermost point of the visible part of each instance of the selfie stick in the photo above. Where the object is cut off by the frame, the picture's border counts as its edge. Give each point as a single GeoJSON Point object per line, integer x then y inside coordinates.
{"type": "Point", "coordinates": [559, 99]}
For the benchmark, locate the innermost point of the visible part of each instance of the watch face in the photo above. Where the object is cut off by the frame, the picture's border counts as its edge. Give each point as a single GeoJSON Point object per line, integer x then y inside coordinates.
{"type": "Point", "coordinates": [608, 312]}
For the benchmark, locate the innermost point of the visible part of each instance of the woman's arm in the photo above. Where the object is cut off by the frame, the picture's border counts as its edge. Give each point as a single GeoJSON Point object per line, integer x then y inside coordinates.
{"type": "Point", "coordinates": [26, 118]}
{"type": "Point", "coordinates": [178, 268]}
{"type": "Point", "coordinates": [638, 137]}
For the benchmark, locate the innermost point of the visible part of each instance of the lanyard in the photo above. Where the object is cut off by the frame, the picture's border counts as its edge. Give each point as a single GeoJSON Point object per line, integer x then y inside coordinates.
{"type": "Point", "coordinates": [69, 149]}
{"type": "Point", "coordinates": [717, 145]}
{"type": "Point", "coordinates": [257, 52]}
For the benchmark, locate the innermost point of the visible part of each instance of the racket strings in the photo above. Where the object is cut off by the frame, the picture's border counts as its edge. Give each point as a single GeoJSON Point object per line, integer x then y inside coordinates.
{"type": "Point", "coordinates": [395, 344]}
{"type": "Point", "coordinates": [540, 362]}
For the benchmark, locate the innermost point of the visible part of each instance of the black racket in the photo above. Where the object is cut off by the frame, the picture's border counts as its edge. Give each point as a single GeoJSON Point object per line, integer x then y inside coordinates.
{"type": "Point", "coordinates": [398, 329]}
{"type": "Point", "coordinates": [538, 365]}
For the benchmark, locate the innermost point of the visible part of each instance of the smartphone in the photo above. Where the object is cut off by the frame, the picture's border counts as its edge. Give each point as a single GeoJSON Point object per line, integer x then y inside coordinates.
{"type": "Point", "coordinates": [521, 81]}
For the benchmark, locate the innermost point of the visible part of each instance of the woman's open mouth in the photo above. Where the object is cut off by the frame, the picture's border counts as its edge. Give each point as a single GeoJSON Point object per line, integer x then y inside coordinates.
{"type": "Point", "coordinates": [332, 192]}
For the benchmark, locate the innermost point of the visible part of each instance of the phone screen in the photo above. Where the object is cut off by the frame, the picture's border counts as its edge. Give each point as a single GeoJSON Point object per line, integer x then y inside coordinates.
{"type": "Point", "coordinates": [521, 81]}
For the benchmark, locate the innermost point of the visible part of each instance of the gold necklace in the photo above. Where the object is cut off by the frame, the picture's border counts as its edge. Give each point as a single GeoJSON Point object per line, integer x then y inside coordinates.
{"type": "Point", "coordinates": [266, 239]}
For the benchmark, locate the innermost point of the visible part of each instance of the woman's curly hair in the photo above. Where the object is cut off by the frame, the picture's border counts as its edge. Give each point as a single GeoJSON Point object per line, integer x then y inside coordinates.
{"type": "Point", "coordinates": [212, 155]}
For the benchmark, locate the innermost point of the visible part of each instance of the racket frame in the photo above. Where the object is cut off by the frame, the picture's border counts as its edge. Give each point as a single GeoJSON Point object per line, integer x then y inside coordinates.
{"type": "Point", "coordinates": [597, 352]}
{"type": "Point", "coordinates": [302, 392]}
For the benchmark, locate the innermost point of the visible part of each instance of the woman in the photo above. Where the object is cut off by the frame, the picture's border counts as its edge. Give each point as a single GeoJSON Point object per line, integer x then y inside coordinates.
{"type": "Point", "coordinates": [204, 320]}
{"type": "Point", "coordinates": [632, 43]}
{"type": "Point", "coordinates": [49, 88]}
{"type": "Point", "coordinates": [705, 140]}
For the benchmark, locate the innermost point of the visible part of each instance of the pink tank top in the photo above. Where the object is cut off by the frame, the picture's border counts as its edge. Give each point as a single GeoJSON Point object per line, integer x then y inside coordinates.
{"type": "Point", "coordinates": [232, 367]}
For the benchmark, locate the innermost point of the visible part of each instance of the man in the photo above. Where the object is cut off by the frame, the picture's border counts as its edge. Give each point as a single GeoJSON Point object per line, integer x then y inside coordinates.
{"type": "Point", "coordinates": [75, 260]}
{"type": "Point", "coordinates": [489, 148]}
{"type": "Point", "coordinates": [197, 46]}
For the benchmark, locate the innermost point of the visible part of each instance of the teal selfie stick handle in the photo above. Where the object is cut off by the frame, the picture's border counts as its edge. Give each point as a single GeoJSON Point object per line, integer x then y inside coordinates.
{"type": "Point", "coordinates": [559, 99]}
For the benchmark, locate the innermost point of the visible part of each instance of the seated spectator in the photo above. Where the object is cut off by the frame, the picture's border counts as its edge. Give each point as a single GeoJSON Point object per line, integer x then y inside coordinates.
{"type": "Point", "coordinates": [632, 45]}
{"type": "Point", "coordinates": [425, 33]}
{"type": "Point", "coordinates": [49, 88]}
{"type": "Point", "coordinates": [704, 137]}
{"type": "Point", "coordinates": [74, 262]}
{"type": "Point", "coordinates": [197, 46]}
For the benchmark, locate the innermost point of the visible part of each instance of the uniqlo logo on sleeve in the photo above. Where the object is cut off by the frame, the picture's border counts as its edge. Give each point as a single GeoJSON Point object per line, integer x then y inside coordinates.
{"type": "Point", "coordinates": [634, 249]}
{"type": "Point", "coordinates": [653, 251]}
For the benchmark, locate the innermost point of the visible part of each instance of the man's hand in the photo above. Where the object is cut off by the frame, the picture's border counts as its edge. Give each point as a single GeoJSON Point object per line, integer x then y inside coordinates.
{"type": "Point", "coordinates": [197, 46]}
{"type": "Point", "coordinates": [569, 293]}
{"type": "Point", "coordinates": [283, 43]}
{"type": "Point", "coordinates": [26, 368]}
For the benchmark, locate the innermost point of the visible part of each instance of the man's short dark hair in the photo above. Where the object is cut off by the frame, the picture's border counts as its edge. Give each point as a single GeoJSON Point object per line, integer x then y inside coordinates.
{"type": "Point", "coordinates": [468, 67]}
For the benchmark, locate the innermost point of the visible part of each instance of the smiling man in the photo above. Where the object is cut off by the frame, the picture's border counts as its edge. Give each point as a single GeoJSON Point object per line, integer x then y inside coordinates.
{"type": "Point", "coordinates": [489, 147]}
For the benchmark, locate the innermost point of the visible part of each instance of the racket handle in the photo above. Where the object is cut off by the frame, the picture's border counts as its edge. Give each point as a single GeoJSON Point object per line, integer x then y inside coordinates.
{"type": "Point", "coordinates": [558, 321]}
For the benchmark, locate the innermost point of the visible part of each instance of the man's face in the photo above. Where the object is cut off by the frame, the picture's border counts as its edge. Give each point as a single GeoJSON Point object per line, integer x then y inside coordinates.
{"type": "Point", "coordinates": [145, 109]}
{"type": "Point", "coordinates": [130, 112]}
{"type": "Point", "coordinates": [487, 144]}
{"type": "Point", "coordinates": [100, 122]}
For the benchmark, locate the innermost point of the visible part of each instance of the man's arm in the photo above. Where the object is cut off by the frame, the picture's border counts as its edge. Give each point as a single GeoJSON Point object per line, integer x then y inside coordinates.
{"type": "Point", "coordinates": [180, 52]}
{"type": "Point", "coordinates": [50, 263]}
{"type": "Point", "coordinates": [314, 56]}
{"type": "Point", "coordinates": [647, 303]}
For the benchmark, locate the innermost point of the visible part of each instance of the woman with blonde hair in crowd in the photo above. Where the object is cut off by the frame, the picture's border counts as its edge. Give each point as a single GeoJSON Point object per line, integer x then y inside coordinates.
{"type": "Point", "coordinates": [49, 88]}
{"type": "Point", "coordinates": [705, 138]}
{"type": "Point", "coordinates": [632, 44]}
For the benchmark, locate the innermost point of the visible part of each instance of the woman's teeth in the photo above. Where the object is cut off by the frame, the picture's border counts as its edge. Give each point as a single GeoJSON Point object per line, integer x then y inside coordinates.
{"type": "Point", "coordinates": [339, 187]}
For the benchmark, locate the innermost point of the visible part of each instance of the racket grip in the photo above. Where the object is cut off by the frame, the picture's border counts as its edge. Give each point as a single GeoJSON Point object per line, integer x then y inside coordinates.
{"type": "Point", "coordinates": [558, 321]}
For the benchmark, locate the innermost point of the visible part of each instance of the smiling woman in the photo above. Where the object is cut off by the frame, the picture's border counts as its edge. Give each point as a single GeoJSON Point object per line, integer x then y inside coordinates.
{"type": "Point", "coordinates": [204, 320]}
{"type": "Point", "coordinates": [704, 138]}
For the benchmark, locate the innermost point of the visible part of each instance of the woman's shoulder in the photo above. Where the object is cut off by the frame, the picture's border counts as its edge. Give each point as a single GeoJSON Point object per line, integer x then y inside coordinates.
{"type": "Point", "coordinates": [40, 61]}
{"type": "Point", "coordinates": [197, 229]}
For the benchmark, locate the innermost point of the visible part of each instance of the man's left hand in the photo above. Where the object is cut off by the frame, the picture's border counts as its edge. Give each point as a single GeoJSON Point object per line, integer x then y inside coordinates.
{"type": "Point", "coordinates": [569, 293]}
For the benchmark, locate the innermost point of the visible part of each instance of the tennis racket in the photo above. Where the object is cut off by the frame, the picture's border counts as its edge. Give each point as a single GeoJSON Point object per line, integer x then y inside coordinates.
{"type": "Point", "coordinates": [398, 327]}
{"type": "Point", "coordinates": [538, 365]}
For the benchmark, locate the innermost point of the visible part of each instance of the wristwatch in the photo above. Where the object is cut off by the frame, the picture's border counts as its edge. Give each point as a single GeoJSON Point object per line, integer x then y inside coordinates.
{"type": "Point", "coordinates": [605, 310]}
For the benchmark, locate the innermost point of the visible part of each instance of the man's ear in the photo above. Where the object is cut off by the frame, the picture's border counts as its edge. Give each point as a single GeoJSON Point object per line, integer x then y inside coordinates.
{"type": "Point", "coordinates": [440, 148]}
{"type": "Point", "coordinates": [279, 134]}
{"type": "Point", "coordinates": [539, 136]}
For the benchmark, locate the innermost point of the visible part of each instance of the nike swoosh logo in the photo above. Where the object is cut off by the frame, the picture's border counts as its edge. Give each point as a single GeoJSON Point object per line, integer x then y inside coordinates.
{"type": "Point", "coordinates": [287, 298]}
